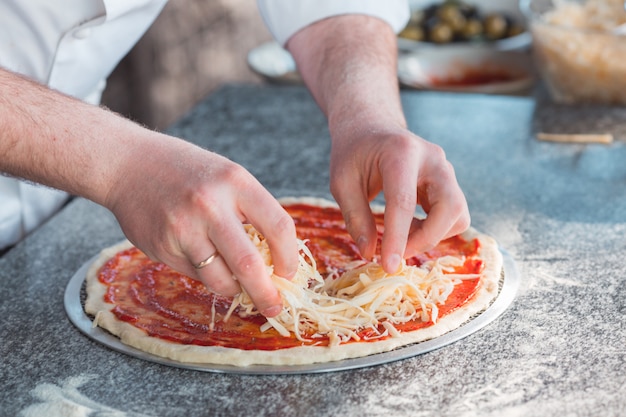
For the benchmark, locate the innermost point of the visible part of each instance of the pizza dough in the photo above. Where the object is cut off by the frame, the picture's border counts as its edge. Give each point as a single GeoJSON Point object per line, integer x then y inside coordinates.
{"type": "Point", "coordinates": [107, 317]}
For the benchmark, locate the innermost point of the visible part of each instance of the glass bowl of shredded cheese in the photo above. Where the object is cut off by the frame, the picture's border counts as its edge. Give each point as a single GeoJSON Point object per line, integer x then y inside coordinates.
{"type": "Point", "coordinates": [579, 48]}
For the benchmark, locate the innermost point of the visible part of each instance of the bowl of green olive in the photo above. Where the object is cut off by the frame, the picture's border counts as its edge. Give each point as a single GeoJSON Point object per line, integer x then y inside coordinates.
{"type": "Point", "coordinates": [498, 24]}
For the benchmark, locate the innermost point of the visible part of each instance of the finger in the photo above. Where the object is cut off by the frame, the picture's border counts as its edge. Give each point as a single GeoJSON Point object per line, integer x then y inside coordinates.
{"type": "Point", "coordinates": [447, 216]}
{"type": "Point", "coordinates": [427, 233]}
{"type": "Point", "coordinates": [216, 275]}
{"type": "Point", "coordinates": [267, 215]}
{"type": "Point", "coordinates": [359, 221]}
{"type": "Point", "coordinates": [400, 189]}
{"type": "Point", "coordinates": [246, 263]}
{"type": "Point", "coordinates": [352, 193]}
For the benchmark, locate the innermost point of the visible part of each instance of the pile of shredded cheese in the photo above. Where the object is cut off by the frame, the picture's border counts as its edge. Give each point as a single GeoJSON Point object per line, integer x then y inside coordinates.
{"type": "Point", "coordinates": [364, 297]}
{"type": "Point", "coordinates": [603, 15]}
{"type": "Point", "coordinates": [577, 53]}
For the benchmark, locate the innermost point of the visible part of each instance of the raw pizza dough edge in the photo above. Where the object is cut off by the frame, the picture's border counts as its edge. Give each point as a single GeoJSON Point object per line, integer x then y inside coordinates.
{"type": "Point", "coordinates": [302, 355]}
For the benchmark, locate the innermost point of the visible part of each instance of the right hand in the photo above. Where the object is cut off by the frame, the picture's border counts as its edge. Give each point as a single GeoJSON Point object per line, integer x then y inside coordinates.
{"type": "Point", "coordinates": [179, 204]}
{"type": "Point", "coordinates": [175, 201]}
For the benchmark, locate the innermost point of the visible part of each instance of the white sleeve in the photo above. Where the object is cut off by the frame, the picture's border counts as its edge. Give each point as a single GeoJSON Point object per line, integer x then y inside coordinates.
{"type": "Point", "coordinates": [285, 17]}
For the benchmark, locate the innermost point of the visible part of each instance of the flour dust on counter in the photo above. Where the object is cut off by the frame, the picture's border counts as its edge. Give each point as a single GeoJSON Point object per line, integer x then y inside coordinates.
{"type": "Point", "coordinates": [66, 400]}
{"type": "Point", "coordinates": [523, 393]}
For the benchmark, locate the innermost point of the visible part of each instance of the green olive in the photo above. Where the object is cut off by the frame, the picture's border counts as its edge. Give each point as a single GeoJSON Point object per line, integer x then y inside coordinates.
{"type": "Point", "coordinates": [472, 29]}
{"type": "Point", "coordinates": [514, 30]}
{"type": "Point", "coordinates": [495, 26]}
{"type": "Point", "coordinates": [414, 33]}
{"type": "Point", "coordinates": [451, 14]}
{"type": "Point", "coordinates": [441, 33]}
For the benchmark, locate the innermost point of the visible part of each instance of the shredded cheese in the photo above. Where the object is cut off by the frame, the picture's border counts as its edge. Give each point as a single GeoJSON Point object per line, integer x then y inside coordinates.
{"type": "Point", "coordinates": [365, 297]}
{"type": "Point", "coordinates": [579, 53]}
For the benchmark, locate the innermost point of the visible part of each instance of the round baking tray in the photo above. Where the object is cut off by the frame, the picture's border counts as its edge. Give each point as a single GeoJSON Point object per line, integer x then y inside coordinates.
{"type": "Point", "coordinates": [509, 282]}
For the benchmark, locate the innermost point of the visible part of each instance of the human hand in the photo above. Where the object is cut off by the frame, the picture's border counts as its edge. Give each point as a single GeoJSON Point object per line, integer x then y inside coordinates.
{"type": "Point", "coordinates": [349, 62]}
{"type": "Point", "coordinates": [180, 204]}
{"type": "Point", "coordinates": [175, 201]}
{"type": "Point", "coordinates": [410, 171]}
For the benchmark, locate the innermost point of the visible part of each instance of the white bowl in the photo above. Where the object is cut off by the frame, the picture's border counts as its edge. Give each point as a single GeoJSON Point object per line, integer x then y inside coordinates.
{"type": "Point", "coordinates": [507, 7]}
{"type": "Point", "coordinates": [470, 70]}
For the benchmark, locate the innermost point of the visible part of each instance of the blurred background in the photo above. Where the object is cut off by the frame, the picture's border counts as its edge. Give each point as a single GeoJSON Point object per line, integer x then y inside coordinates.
{"type": "Point", "coordinates": [572, 49]}
{"type": "Point", "coordinates": [193, 47]}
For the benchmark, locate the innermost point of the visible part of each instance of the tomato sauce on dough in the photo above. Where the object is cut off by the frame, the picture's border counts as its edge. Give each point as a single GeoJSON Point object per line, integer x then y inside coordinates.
{"type": "Point", "coordinates": [171, 306]}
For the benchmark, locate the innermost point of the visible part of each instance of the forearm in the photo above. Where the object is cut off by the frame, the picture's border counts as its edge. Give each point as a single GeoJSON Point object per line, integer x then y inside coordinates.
{"type": "Point", "coordinates": [349, 64]}
{"type": "Point", "coordinates": [176, 202]}
{"type": "Point", "coordinates": [59, 141]}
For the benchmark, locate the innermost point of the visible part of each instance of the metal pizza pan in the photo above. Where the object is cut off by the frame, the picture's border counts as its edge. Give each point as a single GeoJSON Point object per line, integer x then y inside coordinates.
{"type": "Point", "coordinates": [509, 283]}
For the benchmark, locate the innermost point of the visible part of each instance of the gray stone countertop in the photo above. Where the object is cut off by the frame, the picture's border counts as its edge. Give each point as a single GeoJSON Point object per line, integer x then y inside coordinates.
{"type": "Point", "coordinates": [558, 209]}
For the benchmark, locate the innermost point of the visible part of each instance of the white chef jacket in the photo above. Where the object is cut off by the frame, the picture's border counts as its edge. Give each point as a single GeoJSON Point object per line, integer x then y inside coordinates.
{"type": "Point", "coordinates": [73, 45]}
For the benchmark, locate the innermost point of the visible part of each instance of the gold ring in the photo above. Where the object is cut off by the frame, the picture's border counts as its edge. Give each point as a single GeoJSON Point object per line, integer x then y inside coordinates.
{"type": "Point", "coordinates": [207, 261]}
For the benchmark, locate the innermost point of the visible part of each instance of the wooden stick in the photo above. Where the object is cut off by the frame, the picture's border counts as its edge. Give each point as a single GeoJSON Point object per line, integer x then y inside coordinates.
{"type": "Point", "coordinates": [606, 138]}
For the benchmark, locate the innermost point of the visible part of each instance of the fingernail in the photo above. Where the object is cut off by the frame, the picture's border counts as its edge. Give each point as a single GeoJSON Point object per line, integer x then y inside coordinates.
{"type": "Point", "coordinates": [361, 243]}
{"type": "Point", "coordinates": [393, 263]}
{"type": "Point", "coordinates": [290, 276]}
{"type": "Point", "coordinates": [272, 311]}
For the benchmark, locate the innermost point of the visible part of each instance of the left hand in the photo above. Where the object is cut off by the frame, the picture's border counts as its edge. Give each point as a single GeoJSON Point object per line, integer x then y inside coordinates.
{"type": "Point", "coordinates": [409, 171]}
{"type": "Point", "coordinates": [349, 64]}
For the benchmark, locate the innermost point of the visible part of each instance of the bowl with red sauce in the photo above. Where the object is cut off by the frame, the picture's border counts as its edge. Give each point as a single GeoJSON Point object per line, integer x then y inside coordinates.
{"type": "Point", "coordinates": [472, 70]}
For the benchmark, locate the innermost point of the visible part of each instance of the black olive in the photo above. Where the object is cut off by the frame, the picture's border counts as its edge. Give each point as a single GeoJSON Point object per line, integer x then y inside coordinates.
{"type": "Point", "coordinates": [469, 11]}
{"type": "Point", "coordinates": [431, 11]}
{"type": "Point", "coordinates": [512, 27]}
{"type": "Point", "coordinates": [429, 23]}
